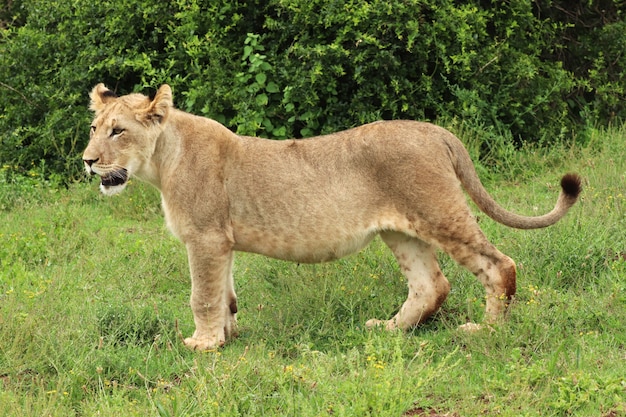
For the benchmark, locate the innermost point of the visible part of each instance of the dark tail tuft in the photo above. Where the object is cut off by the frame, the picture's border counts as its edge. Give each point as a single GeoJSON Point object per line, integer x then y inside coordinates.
{"type": "Point", "coordinates": [109, 93]}
{"type": "Point", "coordinates": [571, 185]}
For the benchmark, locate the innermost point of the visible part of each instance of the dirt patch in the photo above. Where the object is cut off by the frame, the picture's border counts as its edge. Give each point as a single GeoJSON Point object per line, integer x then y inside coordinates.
{"type": "Point", "coordinates": [423, 412]}
{"type": "Point", "coordinates": [613, 413]}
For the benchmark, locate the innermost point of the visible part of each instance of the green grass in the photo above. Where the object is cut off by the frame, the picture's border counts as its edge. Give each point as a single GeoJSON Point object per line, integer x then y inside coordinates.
{"type": "Point", "coordinates": [94, 289]}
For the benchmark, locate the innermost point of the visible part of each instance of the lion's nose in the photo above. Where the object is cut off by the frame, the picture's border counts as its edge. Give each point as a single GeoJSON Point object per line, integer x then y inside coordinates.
{"type": "Point", "coordinates": [90, 162]}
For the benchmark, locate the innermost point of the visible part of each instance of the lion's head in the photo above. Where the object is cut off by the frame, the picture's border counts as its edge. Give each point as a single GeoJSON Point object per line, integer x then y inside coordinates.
{"type": "Point", "coordinates": [123, 134]}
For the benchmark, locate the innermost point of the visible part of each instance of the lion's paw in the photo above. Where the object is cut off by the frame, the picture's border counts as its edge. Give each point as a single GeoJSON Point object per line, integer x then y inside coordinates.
{"type": "Point", "coordinates": [470, 327]}
{"type": "Point", "coordinates": [203, 343]}
{"type": "Point", "coordinates": [386, 324]}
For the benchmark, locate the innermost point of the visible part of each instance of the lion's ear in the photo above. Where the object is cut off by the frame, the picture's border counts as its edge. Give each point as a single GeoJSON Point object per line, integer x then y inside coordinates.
{"type": "Point", "coordinates": [159, 107]}
{"type": "Point", "coordinates": [100, 96]}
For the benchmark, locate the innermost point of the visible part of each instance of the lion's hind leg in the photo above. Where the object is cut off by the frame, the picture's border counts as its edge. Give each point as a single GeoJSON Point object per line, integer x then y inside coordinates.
{"type": "Point", "coordinates": [428, 287]}
{"type": "Point", "coordinates": [497, 273]}
{"type": "Point", "coordinates": [468, 246]}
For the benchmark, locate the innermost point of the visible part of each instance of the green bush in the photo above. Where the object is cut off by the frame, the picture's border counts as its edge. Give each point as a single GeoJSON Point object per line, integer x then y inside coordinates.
{"type": "Point", "coordinates": [535, 72]}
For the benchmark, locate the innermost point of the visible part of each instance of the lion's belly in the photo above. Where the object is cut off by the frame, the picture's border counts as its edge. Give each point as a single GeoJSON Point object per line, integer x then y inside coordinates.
{"type": "Point", "coordinates": [306, 246]}
{"type": "Point", "coordinates": [316, 240]}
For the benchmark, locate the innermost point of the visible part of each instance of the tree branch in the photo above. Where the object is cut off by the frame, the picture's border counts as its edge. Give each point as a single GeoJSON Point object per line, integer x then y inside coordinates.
{"type": "Point", "coordinates": [8, 87]}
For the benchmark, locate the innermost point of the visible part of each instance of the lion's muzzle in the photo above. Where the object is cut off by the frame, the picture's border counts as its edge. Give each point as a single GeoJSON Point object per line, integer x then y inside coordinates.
{"type": "Point", "coordinates": [111, 182]}
{"type": "Point", "coordinates": [114, 178]}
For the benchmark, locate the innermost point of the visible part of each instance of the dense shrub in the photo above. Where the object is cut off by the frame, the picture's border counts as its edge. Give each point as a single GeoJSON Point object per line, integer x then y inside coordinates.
{"type": "Point", "coordinates": [591, 45]}
{"type": "Point", "coordinates": [529, 71]}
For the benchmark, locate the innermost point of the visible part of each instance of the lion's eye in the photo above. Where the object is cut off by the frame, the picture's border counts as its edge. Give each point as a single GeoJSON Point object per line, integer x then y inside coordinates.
{"type": "Point", "coordinates": [93, 129]}
{"type": "Point", "coordinates": [117, 131]}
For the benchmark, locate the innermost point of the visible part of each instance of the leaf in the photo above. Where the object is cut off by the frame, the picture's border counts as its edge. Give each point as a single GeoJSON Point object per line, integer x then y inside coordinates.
{"type": "Point", "coordinates": [267, 124]}
{"type": "Point", "coordinates": [280, 132]}
{"type": "Point", "coordinates": [162, 411]}
{"type": "Point", "coordinates": [261, 78]}
{"type": "Point", "coordinates": [247, 50]}
{"type": "Point", "coordinates": [272, 87]}
{"type": "Point", "coordinates": [262, 100]}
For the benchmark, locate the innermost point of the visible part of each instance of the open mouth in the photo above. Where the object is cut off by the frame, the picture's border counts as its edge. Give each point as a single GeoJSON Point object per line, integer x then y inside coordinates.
{"type": "Point", "coordinates": [114, 178]}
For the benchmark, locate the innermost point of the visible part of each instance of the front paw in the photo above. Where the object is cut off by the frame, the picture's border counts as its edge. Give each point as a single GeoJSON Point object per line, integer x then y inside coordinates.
{"type": "Point", "coordinates": [204, 343]}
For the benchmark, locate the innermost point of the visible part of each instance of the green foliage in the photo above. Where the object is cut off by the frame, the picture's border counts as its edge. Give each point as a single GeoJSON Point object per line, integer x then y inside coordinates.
{"type": "Point", "coordinates": [590, 44]}
{"type": "Point", "coordinates": [255, 98]}
{"type": "Point", "coordinates": [532, 72]}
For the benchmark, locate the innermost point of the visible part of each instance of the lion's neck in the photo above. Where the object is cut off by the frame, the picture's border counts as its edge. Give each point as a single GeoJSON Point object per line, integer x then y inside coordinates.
{"type": "Point", "coordinates": [159, 164]}
{"type": "Point", "coordinates": [184, 136]}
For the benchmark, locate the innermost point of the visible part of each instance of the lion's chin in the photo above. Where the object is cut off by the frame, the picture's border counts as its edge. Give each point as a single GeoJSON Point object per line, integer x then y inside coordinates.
{"type": "Point", "coordinates": [110, 190]}
{"type": "Point", "coordinates": [114, 182]}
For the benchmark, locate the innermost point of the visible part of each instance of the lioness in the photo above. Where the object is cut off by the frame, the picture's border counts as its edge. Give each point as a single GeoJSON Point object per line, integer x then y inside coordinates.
{"type": "Point", "coordinates": [310, 200]}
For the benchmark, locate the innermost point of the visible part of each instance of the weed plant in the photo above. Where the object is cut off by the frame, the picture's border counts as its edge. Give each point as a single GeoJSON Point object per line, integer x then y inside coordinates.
{"type": "Point", "coordinates": [94, 294]}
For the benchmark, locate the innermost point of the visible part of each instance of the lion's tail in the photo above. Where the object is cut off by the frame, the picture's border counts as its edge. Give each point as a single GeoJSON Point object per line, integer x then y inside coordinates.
{"type": "Point", "coordinates": [465, 171]}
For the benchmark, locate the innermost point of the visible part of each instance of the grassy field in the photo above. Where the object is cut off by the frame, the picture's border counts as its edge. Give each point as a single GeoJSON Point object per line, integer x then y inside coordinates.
{"type": "Point", "coordinates": [94, 293]}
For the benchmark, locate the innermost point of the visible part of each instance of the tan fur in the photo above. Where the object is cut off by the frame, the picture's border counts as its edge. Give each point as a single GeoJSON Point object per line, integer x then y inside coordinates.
{"type": "Point", "coordinates": [309, 200]}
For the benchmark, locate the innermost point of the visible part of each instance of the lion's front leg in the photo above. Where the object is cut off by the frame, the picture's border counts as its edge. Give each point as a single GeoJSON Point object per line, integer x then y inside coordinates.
{"type": "Point", "coordinates": [210, 263]}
